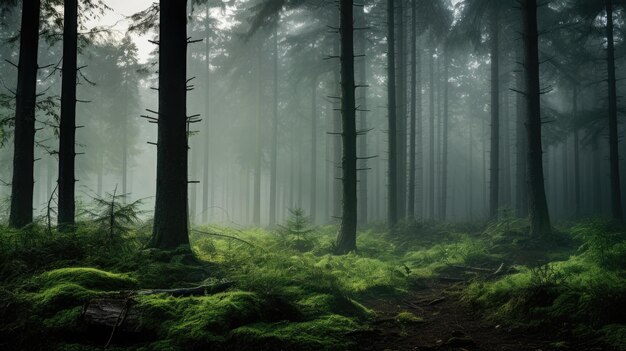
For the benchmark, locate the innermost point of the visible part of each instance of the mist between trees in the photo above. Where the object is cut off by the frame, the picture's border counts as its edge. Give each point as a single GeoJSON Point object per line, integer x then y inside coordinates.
{"type": "Point", "coordinates": [418, 110]}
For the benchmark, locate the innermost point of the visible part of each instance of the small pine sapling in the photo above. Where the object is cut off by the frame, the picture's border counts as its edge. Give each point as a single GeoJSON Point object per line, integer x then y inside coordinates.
{"type": "Point", "coordinates": [295, 231]}
{"type": "Point", "coordinates": [114, 215]}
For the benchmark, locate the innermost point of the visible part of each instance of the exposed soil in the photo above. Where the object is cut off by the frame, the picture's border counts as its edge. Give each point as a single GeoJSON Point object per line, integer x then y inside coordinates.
{"type": "Point", "coordinates": [449, 324]}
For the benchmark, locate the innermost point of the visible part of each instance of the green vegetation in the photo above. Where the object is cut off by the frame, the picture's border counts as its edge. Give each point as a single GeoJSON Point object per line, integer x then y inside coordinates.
{"type": "Point", "coordinates": [585, 290]}
{"type": "Point", "coordinates": [295, 297]}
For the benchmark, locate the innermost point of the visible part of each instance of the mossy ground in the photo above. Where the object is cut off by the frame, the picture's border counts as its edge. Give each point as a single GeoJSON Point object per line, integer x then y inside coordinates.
{"type": "Point", "coordinates": [286, 299]}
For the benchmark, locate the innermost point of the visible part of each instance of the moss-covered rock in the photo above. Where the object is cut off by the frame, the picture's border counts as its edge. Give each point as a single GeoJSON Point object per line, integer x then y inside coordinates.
{"type": "Point", "coordinates": [324, 304]}
{"type": "Point", "coordinates": [87, 277]}
{"type": "Point", "coordinates": [324, 333]}
{"type": "Point", "coordinates": [406, 317]}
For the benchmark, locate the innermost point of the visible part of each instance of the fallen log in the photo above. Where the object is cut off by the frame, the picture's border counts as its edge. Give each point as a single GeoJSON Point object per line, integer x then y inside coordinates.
{"type": "Point", "coordinates": [194, 291]}
{"type": "Point", "coordinates": [112, 313]}
{"type": "Point", "coordinates": [119, 313]}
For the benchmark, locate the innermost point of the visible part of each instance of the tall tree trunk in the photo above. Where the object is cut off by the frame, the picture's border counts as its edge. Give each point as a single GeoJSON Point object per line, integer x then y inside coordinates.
{"type": "Point", "coordinates": [207, 119]}
{"type": "Point", "coordinates": [24, 139]}
{"type": "Point", "coordinates": [494, 170]}
{"type": "Point", "coordinates": [484, 167]}
{"type": "Point", "coordinates": [616, 194]}
{"type": "Point", "coordinates": [67, 126]}
{"type": "Point", "coordinates": [313, 173]}
{"type": "Point", "coordinates": [170, 228]}
{"type": "Point", "coordinates": [505, 156]}
{"type": "Point", "coordinates": [346, 238]}
{"type": "Point", "coordinates": [274, 155]}
{"type": "Point", "coordinates": [100, 170]}
{"type": "Point", "coordinates": [392, 196]}
{"type": "Point", "coordinates": [431, 127]}
{"type": "Point", "coordinates": [329, 165]}
{"type": "Point", "coordinates": [401, 113]}
{"type": "Point", "coordinates": [413, 117]}
{"type": "Point", "coordinates": [256, 208]}
{"type": "Point", "coordinates": [470, 172]}
{"type": "Point", "coordinates": [419, 142]}
{"type": "Point", "coordinates": [521, 183]}
{"type": "Point", "coordinates": [576, 154]}
{"type": "Point", "coordinates": [444, 147]}
{"type": "Point", "coordinates": [193, 170]}
{"type": "Point", "coordinates": [565, 177]}
{"type": "Point", "coordinates": [537, 204]}
{"type": "Point", "coordinates": [125, 140]}
{"type": "Point", "coordinates": [363, 175]}
{"type": "Point", "coordinates": [337, 151]}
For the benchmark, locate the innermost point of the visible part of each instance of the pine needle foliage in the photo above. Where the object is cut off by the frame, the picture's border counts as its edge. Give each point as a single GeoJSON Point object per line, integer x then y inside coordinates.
{"type": "Point", "coordinates": [114, 215]}
{"type": "Point", "coordinates": [295, 232]}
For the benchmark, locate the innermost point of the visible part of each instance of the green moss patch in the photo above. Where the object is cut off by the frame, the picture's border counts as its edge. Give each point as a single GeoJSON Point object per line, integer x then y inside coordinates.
{"type": "Point", "coordinates": [324, 333]}
{"type": "Point", "coordinates": [91, 278]}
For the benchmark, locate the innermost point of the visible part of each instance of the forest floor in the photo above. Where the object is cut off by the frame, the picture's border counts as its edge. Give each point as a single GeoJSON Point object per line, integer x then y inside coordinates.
{"type": "Point", "coordinates": [448, 323]}
{"type": "Point", "coordinates": [424, 286]}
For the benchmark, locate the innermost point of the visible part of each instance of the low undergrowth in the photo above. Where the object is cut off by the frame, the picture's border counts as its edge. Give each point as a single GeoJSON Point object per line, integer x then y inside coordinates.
{"type": "Point", "coordinates": [290, 292]}
{"type": "Point", "coordinates": [584, 292]}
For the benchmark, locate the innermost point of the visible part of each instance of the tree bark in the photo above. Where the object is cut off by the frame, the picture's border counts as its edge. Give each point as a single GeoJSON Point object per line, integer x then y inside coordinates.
{"type": "Point", "coordinates": [431, 132]}
{"type": "Point", "coordinates": [413, 117]}
{"type": "Point", "coordinates": [26, 98]}
{"type": "Point", "coordinates": [444, 147]}
{"type": "Point", "coordinates": [274, 155]}
{"type": "Point", "coordinates": [537, 204]}
{"type": "Point", "coordinates": [67, 127]}
{"type": "Point", "coordinates": [565, 198]}
{"type": "Point", "coordinates": [125, 138]}
{"type": "Point", "coordinates": [494, 167]}
{"type": "Point", "coordinates": [401, 114]}
{"type": "Point", "coordinates": [170, 228]}
{"type": "Point", "coordinates": [337, 151]}
{"type": "Point", "coordinates": [392, 197]}
{"type": "Point", "coordinates": [207, 120]}
{"type": "Point", "coordinates": [346, 239]}
{"type": "Point", "coordinates": [616, 195]}
{"type": "Point", "coordinates": [363, 164]}
{"type": "Point", "coordinates": [521, 183]}
{"type": "Point", "coordinates": [256, 208]}
{"type": "Point", "coordinates": [313, 149]}
{"type": "Point", "coordinates": [576, 154]}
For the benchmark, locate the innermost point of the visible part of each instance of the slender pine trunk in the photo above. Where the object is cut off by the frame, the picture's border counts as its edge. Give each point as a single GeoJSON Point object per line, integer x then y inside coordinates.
{"type": "Point", "coordinates": [337, 151]}
{"type": "Point", "coordinates": [346, 238]}
{"type": "Point", "coordinates": [413, 117]}
{"type": "Point", "coordinates": [444, 147]}
{"type": "Point", "coordinates": [565, 179]}
{"type": "Point", "coordinates": [125, 140]}
{"type": "Point", "coordinates": [313, 172]}
{"type": "Point", "coordinates": [538, 206]}
{"type": "Point", "coordinates": [170, 228]}
{"type": "Point", "coordinates": [392, 197]}
{"type": "Point", "coordinates": [431, 127]}
{"type": "Point", "coordinates": [274, 155]}
{"type": "Point", "coordinates": [505, 183]}
{"type": "Point", "coordinates": [401, 113]}
{"type": "Point", "coordinates": [576, 154]}
{"type": "Point", "coordinates": [207, 120]}
{"type": "Point", "coordinates": [494, 166]}
{"type": "Point", "coordinates": [362, 137]}
{"type": "Point", "coordinates": [521, 183]}
{"type": "Point", "coordinates": [470, 170]}
{"type": "Point", "coordinates": [24, 138]}
{"type": "Point", "coordinates": [256, 207]}
{"type": "Point", "coordinates": [616, 194]}
{"type": "Point", "coordinates": [67, 126]}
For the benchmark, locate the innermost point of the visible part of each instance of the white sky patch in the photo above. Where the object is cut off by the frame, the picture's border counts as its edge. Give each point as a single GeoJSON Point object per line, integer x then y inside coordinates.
{"type": "Point", "coordinates": [117, 20]}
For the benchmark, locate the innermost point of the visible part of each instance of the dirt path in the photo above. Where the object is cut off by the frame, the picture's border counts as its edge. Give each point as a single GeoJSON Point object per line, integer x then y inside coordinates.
{"type": "Point", "coordinates": [448, 324]}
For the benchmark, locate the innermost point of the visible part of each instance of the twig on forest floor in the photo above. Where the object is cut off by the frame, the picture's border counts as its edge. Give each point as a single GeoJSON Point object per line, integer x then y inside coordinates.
{"type": "Point", "coordinates": [224, 236]}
